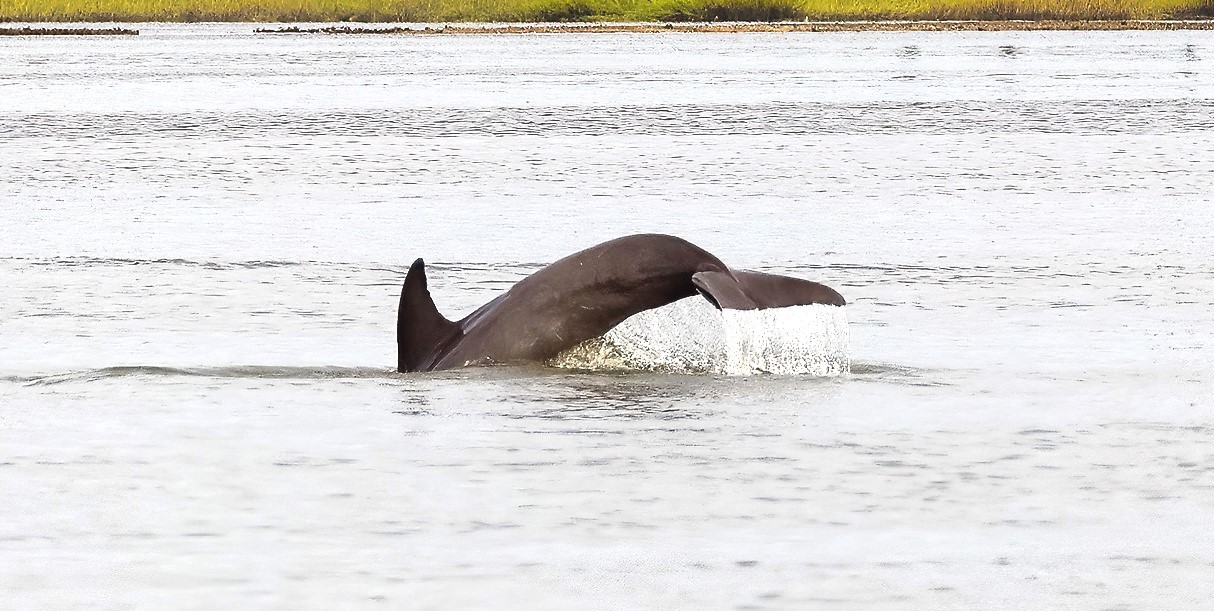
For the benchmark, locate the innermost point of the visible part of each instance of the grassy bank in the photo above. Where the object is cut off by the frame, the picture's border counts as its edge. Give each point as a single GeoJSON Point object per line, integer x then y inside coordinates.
{"type": "Point", "coordinates": [68, 32]}
{"type": "Point", "coordinates": [596, 10]}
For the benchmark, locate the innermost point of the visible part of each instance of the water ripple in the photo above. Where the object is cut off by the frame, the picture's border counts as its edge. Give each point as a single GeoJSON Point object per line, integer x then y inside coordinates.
{"type": "Point", "coordinates": [787, 119]}
{"type": "Point", "coordinates": [248, 371]}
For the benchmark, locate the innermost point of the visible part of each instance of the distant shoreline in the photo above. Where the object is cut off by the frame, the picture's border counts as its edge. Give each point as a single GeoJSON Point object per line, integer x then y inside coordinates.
{"type": "Point", "coordinates": [43, 31]}
{"type": "Point", "coordinates": [636, 15]}
{"type": "Point", "coordinates": [740, 27]}
{"type": "Point", "coordinates": [670, 27]}
{"type": "Point", "coordinates": [818, 26]}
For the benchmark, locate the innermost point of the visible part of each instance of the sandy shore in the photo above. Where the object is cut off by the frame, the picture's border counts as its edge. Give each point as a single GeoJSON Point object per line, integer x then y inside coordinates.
{"type": "Point", "coordinates": [821, 26]}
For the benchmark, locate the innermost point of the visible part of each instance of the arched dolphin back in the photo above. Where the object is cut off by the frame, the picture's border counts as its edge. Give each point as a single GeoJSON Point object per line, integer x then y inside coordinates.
{"type": "Point", "coordinates": [422, 334]}
{"type": "Point", "coordinates": [580, 297]}
{"type": "Point", "coordinates": [742, 290]}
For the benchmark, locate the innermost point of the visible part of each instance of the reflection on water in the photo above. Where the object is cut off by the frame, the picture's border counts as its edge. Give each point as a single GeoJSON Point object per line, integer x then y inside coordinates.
{"type": "Point", "coordinates": [206, 232]}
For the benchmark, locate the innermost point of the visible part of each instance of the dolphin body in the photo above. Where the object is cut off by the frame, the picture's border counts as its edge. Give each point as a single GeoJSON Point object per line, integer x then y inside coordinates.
{"type": "Point", "coordinates": [580, 297]}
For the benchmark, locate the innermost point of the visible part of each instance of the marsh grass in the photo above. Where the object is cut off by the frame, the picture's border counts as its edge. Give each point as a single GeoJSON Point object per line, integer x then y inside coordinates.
{"type": "Point", "coordinates": [594, 10]}
{"type": "Point", "coordinates": [68, 32]}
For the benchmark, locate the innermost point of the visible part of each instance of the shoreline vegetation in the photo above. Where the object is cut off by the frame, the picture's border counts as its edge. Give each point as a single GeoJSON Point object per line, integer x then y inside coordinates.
{"type": "Point", "coordinates": [714, 27]}
{"type": "Point", "coordinates": [636, 14]}
{"type": "Point", "coordinates": [726, 27]}
{"type": "Point", "coordinates": [719, 27]}
{"type": "Point", "coordinates": [695, 27]}
{"type": "Point", "coordinates": [775, 26]}
{"type": "Point", "coordinates": [28, 31]}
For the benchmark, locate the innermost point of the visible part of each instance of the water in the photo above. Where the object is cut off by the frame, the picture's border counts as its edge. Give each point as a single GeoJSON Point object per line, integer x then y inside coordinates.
{"type": "Point", "coordinates": [692, 336]}
{"type": "Point", "coordinates": [204, 234]}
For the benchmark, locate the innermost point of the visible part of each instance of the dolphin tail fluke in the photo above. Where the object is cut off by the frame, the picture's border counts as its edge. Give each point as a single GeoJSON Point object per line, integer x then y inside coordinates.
{"type": "Point", "coordinates": [420, 330]}
{"type": "Point", "coordinates": [723, 290]}
{"type": "Point", "coordinates": [738, 290]}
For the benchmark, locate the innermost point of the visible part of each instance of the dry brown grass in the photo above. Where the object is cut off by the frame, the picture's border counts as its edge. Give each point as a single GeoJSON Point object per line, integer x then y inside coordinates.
{"type": "Point", "coordinates": [594, 10]}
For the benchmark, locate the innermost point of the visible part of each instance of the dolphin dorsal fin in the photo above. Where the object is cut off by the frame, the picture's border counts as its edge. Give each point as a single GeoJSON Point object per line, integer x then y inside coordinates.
{"type": "Point", "coordinates": [421, 331]}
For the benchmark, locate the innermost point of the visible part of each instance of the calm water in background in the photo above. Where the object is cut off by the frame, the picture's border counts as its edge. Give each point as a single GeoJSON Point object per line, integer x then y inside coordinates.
{"type": "Point", "coordinates": [204, 232]}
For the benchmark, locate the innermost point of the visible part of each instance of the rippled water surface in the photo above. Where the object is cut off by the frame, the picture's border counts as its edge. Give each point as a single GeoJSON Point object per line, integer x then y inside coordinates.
{"type": "Point", "coordinates": [205, 231]}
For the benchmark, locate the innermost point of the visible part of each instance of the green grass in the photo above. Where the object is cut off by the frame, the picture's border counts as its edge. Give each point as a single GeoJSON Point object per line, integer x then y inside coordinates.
{"type": "Point", "coordinates": [593, 10]}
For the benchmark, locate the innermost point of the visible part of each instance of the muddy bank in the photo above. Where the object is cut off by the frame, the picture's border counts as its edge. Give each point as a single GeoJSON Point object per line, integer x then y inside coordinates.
{"type": "Point", "coordinates": [819, 26]}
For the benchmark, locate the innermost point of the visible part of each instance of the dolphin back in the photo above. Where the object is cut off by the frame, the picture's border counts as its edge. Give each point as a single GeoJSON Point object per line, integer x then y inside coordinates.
{"type": "Point", "coordinates": [422, 334]}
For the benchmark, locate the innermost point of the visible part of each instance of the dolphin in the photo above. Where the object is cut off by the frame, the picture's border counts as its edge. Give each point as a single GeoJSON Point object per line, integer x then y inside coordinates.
{"type": "Point", "coordinates": [580, 297]}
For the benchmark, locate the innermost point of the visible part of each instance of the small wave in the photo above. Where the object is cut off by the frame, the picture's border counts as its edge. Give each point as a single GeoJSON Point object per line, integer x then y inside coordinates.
{"type": "Point", "coordinates": [247, 371]}
{"type": "Point", "coordinates": [597, 356]}
{"type": "Point", "coordinates": [1128, 116]}
{"type": "Point", "coordinates": [124, 262]}
{"type": "Point", "coordinates": [898, 374]}
{"type": "Point", "coordinates": [487, 274]}
{"type": "Point", "coordinates": [882, 369]}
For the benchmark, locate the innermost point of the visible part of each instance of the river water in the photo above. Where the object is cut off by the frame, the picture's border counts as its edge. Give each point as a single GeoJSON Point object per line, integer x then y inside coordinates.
{"type": "Point", "coordinates": [205, 230]}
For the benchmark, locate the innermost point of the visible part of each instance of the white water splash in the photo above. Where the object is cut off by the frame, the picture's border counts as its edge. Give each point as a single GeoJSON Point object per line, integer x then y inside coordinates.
{"type": "Point", "coordinates": [691, 336]}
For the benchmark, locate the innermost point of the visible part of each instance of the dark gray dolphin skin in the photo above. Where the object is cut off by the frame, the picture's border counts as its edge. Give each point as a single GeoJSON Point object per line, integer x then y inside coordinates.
{"type": "Point", "coordinates": [581, 297]}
